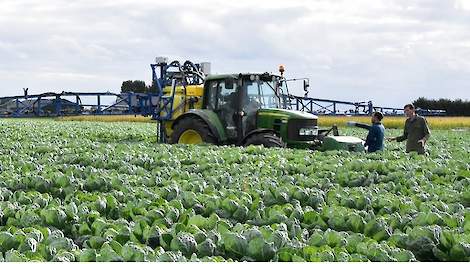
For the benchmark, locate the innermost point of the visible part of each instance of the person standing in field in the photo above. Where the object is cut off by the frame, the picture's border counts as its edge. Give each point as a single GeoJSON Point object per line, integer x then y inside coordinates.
{"type": "Point", "coordinates": [375, 138]}
{"type": "Point", "coordinates": [416, 132]}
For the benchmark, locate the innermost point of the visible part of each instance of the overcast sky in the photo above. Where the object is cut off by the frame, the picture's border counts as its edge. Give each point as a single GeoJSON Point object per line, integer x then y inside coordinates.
{"type": "Point", "coordinates": [387, 51]}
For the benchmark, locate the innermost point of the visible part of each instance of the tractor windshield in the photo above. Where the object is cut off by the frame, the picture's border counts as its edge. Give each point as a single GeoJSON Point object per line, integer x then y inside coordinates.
{"type": "Point", "coordinates": [261, 94]}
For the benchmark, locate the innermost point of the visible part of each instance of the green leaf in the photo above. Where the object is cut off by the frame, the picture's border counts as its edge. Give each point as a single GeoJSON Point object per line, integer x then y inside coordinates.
{"type": "Point", "coordinates": [15, 256]}
{"type": "Point", "coordinates": [87, 255]}
{"type": "Point", "coordinates": [7, 242]}
{"type": "Point", "coordinates": [206, 248]}
{"type": "Point", "coordinates": [132, 252]}
{"type": "Point", "coordinates": [260, 250]}
{"type": "Point", "coordinates": [28, 245]}
{"type": "Point", "coordinates": [54, 217]}
{"type": "Point", "coordinates": [107, 254]}
{"type": "Point", "coordinates": [460, 252]}
{"type": "Point", "coordinates": [234, 244]}
{"type": "Point", "coordinates": [355, 223]}
{"type": "Point", "coordinates": [377, 229]}
{"type": "Point", "coordinates": [185, 243]}
{"type": "Point", "coordinates": [334, 239]}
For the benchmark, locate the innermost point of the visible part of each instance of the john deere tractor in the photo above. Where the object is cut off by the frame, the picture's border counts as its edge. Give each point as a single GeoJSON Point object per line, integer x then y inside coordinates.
{"type": "Point", "coordinates": [242, 109]}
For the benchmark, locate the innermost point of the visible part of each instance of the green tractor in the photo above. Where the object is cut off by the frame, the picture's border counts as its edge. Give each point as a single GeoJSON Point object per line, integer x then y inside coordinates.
{"type": "Point", "coordinates": [236, 109]}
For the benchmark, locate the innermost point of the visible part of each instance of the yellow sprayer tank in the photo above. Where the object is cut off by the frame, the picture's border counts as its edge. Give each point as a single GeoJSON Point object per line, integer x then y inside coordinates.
{"type": "Point", "coordinates": [185, 99]}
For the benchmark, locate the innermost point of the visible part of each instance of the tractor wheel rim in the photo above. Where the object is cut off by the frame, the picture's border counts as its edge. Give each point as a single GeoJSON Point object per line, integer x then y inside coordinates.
{"type": "Point", "coordinates": [190, 136]}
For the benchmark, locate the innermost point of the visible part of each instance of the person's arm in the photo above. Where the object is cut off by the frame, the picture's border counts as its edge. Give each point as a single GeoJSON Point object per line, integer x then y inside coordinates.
{"type": "Point", "coordinates": [427, 133]}
{"type": "Point", "coordinates": [404, 136]}
{"type": "Point", "coordinates": [365, 126]}
{"type": "Point", "coordinates": [360, 125]}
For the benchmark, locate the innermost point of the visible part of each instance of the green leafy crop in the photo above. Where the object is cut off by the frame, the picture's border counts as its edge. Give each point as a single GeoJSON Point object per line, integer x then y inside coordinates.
{"type": "Point", "coordinates": [108, 192]}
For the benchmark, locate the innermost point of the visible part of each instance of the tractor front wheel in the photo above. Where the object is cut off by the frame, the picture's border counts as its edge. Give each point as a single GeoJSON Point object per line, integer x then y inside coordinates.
{"type": "Point", "coordinates": [267, 139]}
{"type": "Point", "coordinates": [192, 131]}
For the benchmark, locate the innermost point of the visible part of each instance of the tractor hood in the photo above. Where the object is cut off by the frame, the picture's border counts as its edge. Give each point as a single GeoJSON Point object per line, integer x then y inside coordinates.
{"type": "Point", "coordinates": [285, 114]}
{"type": "Point", "coordinates": [296, 128]}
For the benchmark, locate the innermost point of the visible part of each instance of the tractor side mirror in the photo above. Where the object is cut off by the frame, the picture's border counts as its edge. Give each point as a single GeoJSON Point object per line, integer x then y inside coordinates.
{"type": "Point", "coordinates": [240, 80]}
{"type": "Point", "coordinates": [306, 85]}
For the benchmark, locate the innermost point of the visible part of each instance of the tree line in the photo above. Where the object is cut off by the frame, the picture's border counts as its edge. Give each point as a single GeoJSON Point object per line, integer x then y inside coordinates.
{"type": "Point", "coordinates": [452, 107]}
{"type": "Point", "coordinates": [137, 86]}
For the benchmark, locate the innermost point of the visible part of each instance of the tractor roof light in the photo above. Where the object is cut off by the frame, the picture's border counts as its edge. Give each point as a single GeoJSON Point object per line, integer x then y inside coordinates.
{"type": "Point", "coordinates": [281, 69]}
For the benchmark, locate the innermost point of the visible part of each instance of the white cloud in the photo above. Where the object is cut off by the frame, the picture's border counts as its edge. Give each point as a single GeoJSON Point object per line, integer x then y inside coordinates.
{"type": "Point", "coordinates": [351, 50]}
{"type": "Point", "coordinates": [462, 5]}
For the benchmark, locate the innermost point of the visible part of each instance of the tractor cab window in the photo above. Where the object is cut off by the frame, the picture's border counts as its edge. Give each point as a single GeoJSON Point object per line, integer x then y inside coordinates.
{"type": "Point", "coordinates": [268, 96]}
{"type": "Point", "coordinates": [260, 94]}
{"type": "Point", "coordinates": [212, 95]}
{"type": "Point", "coordinates": [252, 100]}
{"type": "Point", "coordinates": [223, 100]}
{"type": "Point", "coordinates": [228, 97]}
{"type": "Point", "coordinates": [227, 107]}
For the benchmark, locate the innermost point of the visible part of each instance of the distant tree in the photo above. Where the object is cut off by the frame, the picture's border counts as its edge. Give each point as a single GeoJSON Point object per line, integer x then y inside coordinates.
{"type": "Point", "coordinates": [152, 88]}
{"type": "Point", "coordinates": [136, 86]}
{"type": "Point", "coordinates": [452, 107]}
{"type": "Point", "coordinates": [126, 86]}
{"type": "Point", "coordinates": [422, 103]}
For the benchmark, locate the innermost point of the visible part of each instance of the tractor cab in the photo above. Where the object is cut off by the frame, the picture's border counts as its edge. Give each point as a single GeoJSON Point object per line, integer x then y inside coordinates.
{"type": "Point", "coordinates": [237, 100]}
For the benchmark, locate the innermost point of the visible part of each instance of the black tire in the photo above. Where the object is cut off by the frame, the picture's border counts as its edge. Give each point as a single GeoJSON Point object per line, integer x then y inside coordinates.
{"type": "Point", "coordinates": [267, 139]}
{"type": "Point", "coordinates": [196, 124]}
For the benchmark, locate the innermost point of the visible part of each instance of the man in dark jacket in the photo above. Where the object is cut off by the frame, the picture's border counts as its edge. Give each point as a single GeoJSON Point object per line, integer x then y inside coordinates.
{"type": "Point", "coordinates": [416, 131]}
{"type": "Point", "coordinates": [375, 138]}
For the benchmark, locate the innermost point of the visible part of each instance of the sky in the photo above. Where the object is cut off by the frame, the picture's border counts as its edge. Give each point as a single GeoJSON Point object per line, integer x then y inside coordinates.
{"type": "Point", "coordinates": [387, 51]}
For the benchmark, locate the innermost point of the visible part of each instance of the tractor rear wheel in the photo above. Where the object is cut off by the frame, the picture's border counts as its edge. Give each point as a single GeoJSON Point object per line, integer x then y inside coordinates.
{"type": "Point", "coordinates": [192, 131]}
{"type": "Point", "coordinates": [267, 139]}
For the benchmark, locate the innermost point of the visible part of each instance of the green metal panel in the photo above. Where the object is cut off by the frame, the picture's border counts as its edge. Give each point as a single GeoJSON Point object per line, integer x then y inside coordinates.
{"type": "Point", "coordinates": [270, 117]}
{"type": "Point", "coordinates": [267, 119]}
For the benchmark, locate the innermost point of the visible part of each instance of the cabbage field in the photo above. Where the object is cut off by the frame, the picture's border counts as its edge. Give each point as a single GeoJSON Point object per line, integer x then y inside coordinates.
{"type": "Point", "coordinates": [85, 191]}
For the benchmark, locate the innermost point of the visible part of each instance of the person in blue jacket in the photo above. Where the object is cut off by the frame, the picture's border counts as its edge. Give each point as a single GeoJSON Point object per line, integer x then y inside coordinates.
{"type": "Point", "coordinates": [375, 138]}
